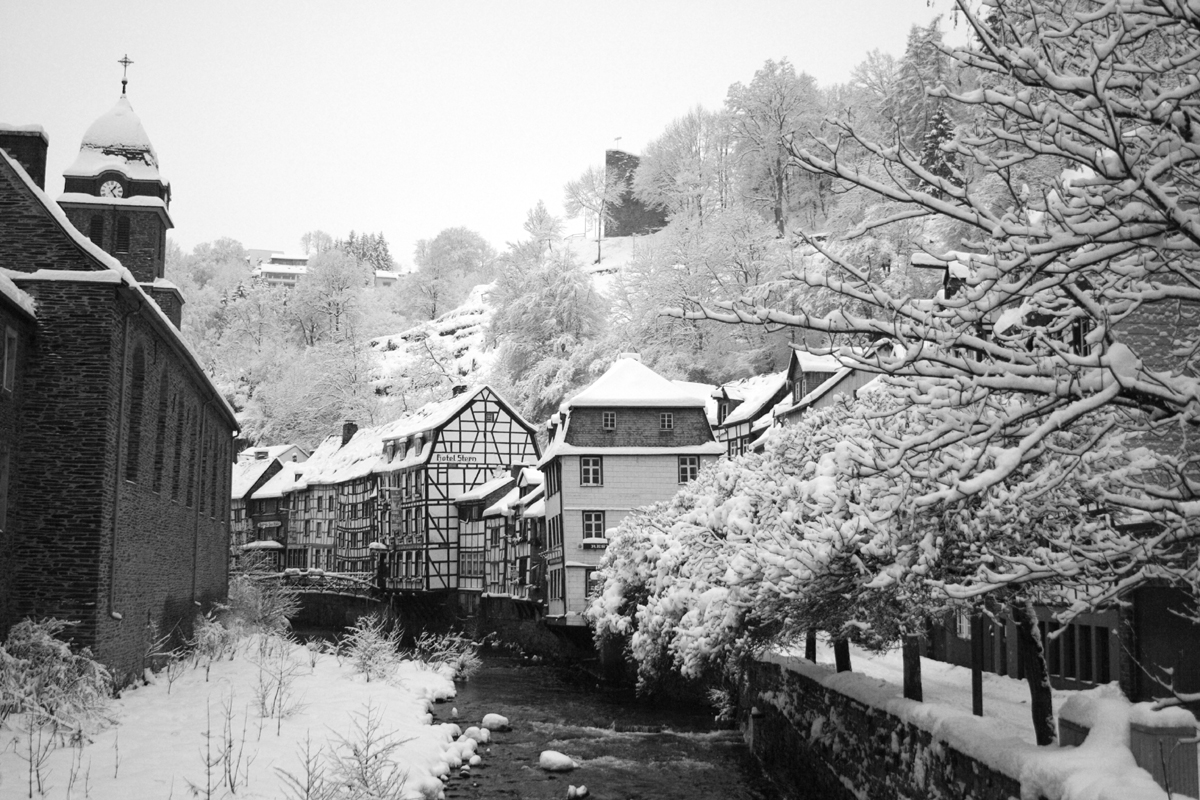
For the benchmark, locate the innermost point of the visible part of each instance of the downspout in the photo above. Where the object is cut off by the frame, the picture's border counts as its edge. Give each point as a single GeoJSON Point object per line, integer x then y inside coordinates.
{"type": "Point", "coordinates": [199, 481]}
{"type": "Point", "coordinates": [112, 559]}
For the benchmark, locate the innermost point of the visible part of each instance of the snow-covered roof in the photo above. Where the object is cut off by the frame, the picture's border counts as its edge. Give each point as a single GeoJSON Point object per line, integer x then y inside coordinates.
{"type": "Point", "coordinates": [814, 363]}
{"type": "Point", "coordinates": [116, 141]}
{"type": "Point", "coordinates": [629, 382]}
{"type": "Point", "coordinates": [484, 489]}
{"type": "Point", "coordinates": [561, 448]}
{"type": "Point", "coordinates": [246, 472]}
{"type": "Point", "coordinates": [756, 393]}
{"type": "Point", "coordinates": [280, 269]}
{"type": "Point", "coordinates": [535, 510]}
{"type": "Point", "coordinates": [503, 506]}
{"type": "Point", "coordinates": [532, 475]}
{"type": "Point", "coordinates": [817, 393]}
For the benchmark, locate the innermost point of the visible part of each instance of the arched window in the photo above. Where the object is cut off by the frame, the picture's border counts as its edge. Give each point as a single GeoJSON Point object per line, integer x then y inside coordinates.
{"type": "Point", "coordinates": [191, 473]}
{"type": "Point", "coordinates": [96, 230]}
{"type": "Point", "coordinates": [137, 403]}
{"type": "Point", "coordinates": [123, 235]}
{"type": "Point", "coordinates": [177, 473]}
{"type": "Point", "coordinates": [160, 434]}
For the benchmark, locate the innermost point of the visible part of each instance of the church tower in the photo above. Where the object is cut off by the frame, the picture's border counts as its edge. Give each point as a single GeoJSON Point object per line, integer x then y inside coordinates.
{"type": "Point", "coordinates": [115, 195]}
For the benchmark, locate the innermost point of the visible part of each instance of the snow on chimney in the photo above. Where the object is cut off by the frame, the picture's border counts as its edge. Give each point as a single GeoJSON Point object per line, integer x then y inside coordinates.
{"type": "Point", "coordinates": [634, 356]}
{"type": "Point", "coordinates": [349, 428]}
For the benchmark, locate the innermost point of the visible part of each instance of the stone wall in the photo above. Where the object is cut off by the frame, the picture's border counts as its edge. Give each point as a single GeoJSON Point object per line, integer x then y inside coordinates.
{"type": "Point", "coordinates": [814, 742]}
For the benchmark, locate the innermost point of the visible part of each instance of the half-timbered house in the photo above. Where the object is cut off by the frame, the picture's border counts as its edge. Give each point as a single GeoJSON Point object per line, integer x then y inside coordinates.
{"type": "Point", "coordinates": [741, 404]}
{"type": "Point", "coordinates": [472, 538]}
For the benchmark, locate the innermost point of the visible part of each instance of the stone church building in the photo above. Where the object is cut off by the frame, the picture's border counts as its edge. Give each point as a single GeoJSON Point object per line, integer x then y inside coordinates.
{"type": "Point", "coordinates": [115, 448]}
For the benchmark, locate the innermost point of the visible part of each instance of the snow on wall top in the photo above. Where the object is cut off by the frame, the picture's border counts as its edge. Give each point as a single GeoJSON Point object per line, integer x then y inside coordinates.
{"type": "Point", "coordinates": [629, 382]}
{"type": "Point", "coordinates": [10, 290]}
{"type": "Point", "coordinates": [137, 200]}
{"type": "Point", "coordinates": [32, 130]}
{"type": "Point", "coordinates": [116, 141]}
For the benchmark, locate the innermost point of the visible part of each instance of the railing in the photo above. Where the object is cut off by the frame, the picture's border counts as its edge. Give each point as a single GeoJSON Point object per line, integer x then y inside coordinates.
{"type": "Point", "coordinates": [316, 581]}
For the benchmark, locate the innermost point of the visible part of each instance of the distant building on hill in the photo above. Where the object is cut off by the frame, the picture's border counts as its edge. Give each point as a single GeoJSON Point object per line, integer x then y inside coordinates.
{"type": "Point", "coordinates": [115, 447]}
{"type": "Point", "coordinates": [632, 217]}
{"type": "Point", "coordinates": [285, 271]}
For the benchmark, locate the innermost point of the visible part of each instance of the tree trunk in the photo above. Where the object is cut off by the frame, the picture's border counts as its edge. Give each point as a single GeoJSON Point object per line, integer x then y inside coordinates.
{"type": "Point", "coordinates": [912, 668]}
{"type": "Point", "coordinates": [779, 218]}
{"type": "Point", "coordinates": [841, 655]}
{"type": "Point", "coordinates": [1036, 673]}
{"type": "Point", "coordinates": [810, 645]}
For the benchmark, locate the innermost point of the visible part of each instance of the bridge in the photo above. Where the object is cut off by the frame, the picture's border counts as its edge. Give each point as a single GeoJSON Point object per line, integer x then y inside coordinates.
{"type": "Point", "coordinates": [319, 582]}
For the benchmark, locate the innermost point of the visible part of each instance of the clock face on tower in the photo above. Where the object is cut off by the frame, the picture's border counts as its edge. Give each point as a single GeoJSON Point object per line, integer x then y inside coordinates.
{"type": "Point", "coordinates": [111, 189]}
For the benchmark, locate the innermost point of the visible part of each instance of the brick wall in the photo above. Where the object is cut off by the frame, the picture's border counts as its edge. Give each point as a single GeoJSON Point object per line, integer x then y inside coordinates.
{"type": "Point", "coordinates": [147, 236]}
{"type": "Point", "coordinates": [11, 404]}
{"type": "Point", "coordinates": [167, 560]}
{"type": "Point", "coordinates": [637, 427]}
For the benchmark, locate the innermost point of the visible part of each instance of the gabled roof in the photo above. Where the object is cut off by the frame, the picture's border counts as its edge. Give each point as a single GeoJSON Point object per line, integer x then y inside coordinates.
{"type": "Point", "coordinates": [503, 506]}
{"type": "Point", "coordinates": [758, 395]}
{"type": "Point", "coordinates": [630, 383]}
{"type": "Point", "coordinates": [480, 492]}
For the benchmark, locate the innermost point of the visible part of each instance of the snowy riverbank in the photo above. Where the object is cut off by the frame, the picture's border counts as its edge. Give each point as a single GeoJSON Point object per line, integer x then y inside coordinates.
{"type": "Point", "coordinates": [248, 724]}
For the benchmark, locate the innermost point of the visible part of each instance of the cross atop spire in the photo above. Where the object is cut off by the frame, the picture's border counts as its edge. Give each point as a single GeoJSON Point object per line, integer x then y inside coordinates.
{"type": "Point", "coordinates": [124, 62]}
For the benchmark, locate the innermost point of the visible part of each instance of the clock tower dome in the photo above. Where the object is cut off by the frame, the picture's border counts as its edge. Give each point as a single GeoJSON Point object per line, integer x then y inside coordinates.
{"type": "Point", "coordinates": [115, 195]}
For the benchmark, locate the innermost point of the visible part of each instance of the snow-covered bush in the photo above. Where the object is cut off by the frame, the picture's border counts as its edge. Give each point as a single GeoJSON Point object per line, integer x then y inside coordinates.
{"type": "Point", "coordinates": [452, 649]}
{"type": "Point", "coordinates": [40, 676]}
{"type": "Point", "coordinates": [261, 605]}
{"type": "Point", "coordinates": [373, 650]}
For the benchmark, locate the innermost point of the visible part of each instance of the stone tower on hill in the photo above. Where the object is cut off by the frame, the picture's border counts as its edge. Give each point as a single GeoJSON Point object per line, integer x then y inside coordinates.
{"type": "Point", "coordinates": [115, 195]}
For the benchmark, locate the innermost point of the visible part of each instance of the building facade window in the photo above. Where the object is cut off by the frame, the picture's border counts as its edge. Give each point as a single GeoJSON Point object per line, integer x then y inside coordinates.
{"type": "Point", "coordinates": [10, 359]}
{"type": "Point", "coordinates": [123, 235]}
{"type": "Point", "coordinates": [4, 471]}
{"type": "Point", "coordinates": [666, 421]}
{"type": "Point", "coordinates": [609, 420]}
{"type": "Point", "coordinates": [137, 401]}
{"type": "Point", "coordinates": [489, 417]}
{"type": "Point", "coordinates": [591, 471]}
{"type": "Point", "coordinates": [688, 467]}
{"type": "Point", "coordinates": [96, 230]}
{"type": "Point", "coordinates": [593, 524]}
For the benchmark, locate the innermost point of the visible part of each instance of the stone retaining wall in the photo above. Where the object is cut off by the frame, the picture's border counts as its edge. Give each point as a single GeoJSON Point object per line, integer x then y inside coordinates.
{"type": "Point", "coordinates": [814, 742]}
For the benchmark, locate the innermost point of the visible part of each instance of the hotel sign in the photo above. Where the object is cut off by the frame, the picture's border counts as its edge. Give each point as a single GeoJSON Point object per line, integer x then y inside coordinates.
{"type": "Point", "coordinates": [455, 458]}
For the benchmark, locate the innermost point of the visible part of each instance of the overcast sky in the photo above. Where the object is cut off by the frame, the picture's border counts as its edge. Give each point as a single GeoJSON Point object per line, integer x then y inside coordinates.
{"type": "Point", "coordinates": [275, 118]}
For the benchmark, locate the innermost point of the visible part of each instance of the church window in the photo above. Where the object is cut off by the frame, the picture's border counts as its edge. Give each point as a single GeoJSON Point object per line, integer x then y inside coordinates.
{"type": "Point", "coordinates": [160, 434]}
{"type": "Point", "coordinates": [123, 235]}
{"type": "Point", "coordinates": [137, 402]}
{"type": "Point", "coordinates": [191, 474]}
{"type": "Point", "coordinates": [3, 486]}
{"type": "Point", "coordinates": [10, 359]}
{"type": "Point", "coordinates": [96, 230]}
{"type": "Point", "coordinates": [178, 471]}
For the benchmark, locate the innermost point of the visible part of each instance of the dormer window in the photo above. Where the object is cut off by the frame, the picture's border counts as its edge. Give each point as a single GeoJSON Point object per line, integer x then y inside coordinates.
{"type": "Point", "coordinates": [609, 420]}
{"type": "Point", "coordinates": [666, 421]}
{"type": "Point", "coordinates": [722, 411]}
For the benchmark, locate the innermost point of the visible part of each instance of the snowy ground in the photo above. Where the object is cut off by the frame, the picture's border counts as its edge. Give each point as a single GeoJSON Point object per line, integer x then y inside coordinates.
{"type": "Point", "coordinates": [162, 735]}
{"type": "Point", "coordinates": [1102, 768]}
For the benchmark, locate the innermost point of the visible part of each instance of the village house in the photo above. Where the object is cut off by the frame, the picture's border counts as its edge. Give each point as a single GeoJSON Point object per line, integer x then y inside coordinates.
{"type": "Point", "coordinates": [254, 468]}
{"type": "Point", "coordinates": [392, 492]}
{"type": "Point", "coordinates": [472, 537]}
{"type": "Point", "coordinates": [629, 439]}
{"type": "Point", "coordinates": [116, 450]}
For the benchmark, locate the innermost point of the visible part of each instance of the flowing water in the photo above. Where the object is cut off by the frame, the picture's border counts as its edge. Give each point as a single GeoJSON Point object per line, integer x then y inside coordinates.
{"type": "Point", "coordinates": [627, 749]}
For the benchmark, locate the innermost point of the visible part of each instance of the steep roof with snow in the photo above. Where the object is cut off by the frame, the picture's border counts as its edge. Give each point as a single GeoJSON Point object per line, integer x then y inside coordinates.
{"type": "Point", "coordinates": [630, 383]}
{"type": "Point", "coordinates": [116, 141]}
{"type": "Point", "coordinates": [758, 395]}
{"type": "Point", "coordinates": [484, 489]}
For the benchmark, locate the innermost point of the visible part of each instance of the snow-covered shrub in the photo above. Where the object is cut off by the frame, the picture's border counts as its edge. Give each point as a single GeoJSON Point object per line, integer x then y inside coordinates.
{"type": "Point", "coordinates": [262, 605]}
{"type": "Point", "coordinates": [40, 676]}
{"type": "Point", "coordinates": [211, 641]}
{"type": "Point", "coordinates": [452, 649]}
{"type": "Point", "coordinates": [373, 650]}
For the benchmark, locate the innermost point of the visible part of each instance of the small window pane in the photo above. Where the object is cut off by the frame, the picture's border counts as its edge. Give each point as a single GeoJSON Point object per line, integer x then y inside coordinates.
{"type": "Point", "coordinates": [666, 421]}
{"type": "Point", "coordinates": [610, 420]}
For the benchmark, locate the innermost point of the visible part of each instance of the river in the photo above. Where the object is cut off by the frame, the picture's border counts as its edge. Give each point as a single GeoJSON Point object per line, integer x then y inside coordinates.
{"type": "Point", "coordinates": [628, 749]}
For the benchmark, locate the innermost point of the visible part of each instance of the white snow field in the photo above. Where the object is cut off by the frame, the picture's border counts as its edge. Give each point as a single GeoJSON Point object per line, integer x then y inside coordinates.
{"type": "Point", "coordinates": [1102, 768]}
{"type": "Point", "coordinates": [163, 734]}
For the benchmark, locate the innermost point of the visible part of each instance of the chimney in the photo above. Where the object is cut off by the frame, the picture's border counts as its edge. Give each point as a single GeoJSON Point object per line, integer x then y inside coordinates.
{"type": "Point", "coordinates": [260, 455]}
{"type": "Point", "coordinates": [459, 389]}
{"type": "Point", "coordinates": [26, 144]}
{"type": "Point", "coordinates": [349, 428]}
